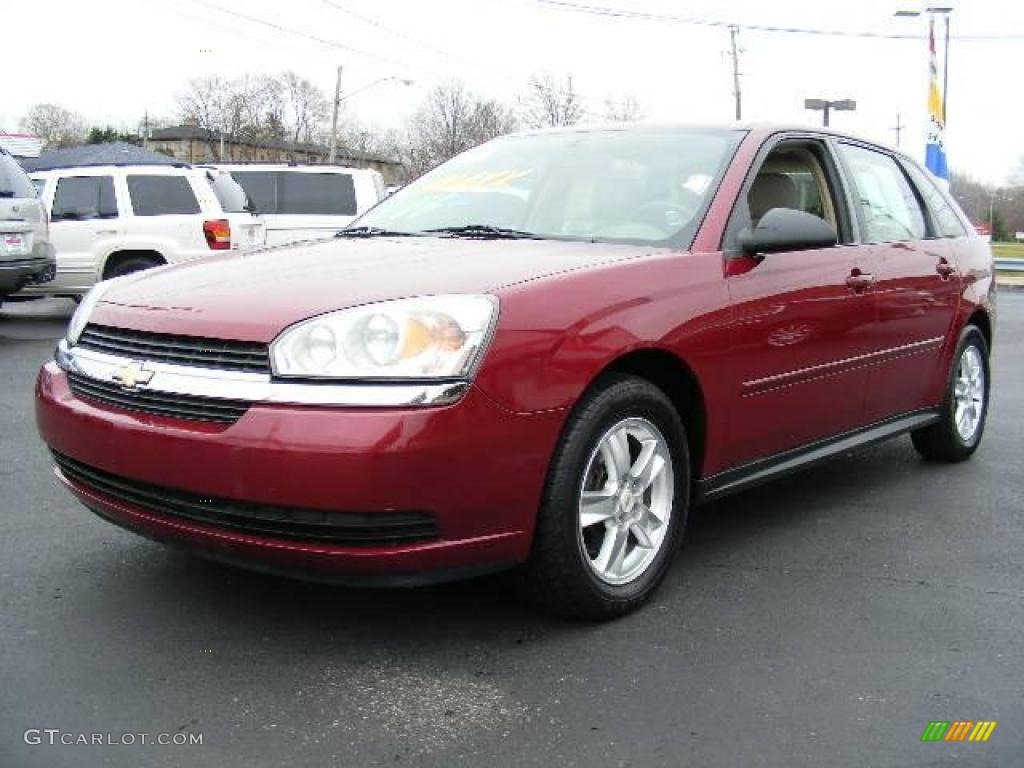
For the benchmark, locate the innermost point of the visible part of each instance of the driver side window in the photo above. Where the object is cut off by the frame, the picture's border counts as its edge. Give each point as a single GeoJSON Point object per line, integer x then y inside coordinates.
{"type": "Point", "coordinates": [791, 177]}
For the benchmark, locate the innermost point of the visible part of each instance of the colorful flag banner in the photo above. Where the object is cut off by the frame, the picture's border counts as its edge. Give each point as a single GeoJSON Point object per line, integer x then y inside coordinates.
{"type": "Point", "coordinates": [935, 152]}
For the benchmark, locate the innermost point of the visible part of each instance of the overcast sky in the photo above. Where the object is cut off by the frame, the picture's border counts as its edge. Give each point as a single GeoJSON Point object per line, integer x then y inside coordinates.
{"type": "Point", "coordinates": [112, 60]}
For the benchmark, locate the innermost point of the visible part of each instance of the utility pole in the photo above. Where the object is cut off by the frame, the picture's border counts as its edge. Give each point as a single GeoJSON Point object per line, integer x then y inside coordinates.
{"type": "Point", "coordinates": [733, 33]}
{"type": "Point", "coordinates": [898, 128]}
{"type": "Point", "coordinates": [334, 118]}
{"type": "Point", "coordinates": [145, 130]}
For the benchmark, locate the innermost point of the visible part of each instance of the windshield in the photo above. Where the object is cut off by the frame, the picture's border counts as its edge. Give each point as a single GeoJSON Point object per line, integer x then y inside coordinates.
{"type": "Point", "coordinates": [643, 186]}
{"type": "Point", "coordinates": [13, 181]}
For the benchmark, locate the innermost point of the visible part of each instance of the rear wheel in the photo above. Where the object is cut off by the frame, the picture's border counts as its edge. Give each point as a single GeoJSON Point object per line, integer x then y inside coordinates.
{"type": "Point", "coordinates": [615, 503]}
{"type": "Point", "coordinates": [956, 436]}
{"type": "Point", "coordinates": [130, 264]}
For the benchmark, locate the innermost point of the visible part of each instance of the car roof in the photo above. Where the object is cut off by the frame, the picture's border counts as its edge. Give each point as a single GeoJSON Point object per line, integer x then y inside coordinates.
{"type": "Point", "coordinates": [760, 129]}
{"type": "Point", "coordinates": [293, 167]}
{"type": "Point", "coordinates": [96, 170]}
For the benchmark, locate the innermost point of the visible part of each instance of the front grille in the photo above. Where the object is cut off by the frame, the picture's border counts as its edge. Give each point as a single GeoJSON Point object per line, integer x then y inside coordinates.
{"type": "Point", "coordinates": [345, 528]}
{"type": "Point", "coordinates": [191, 407]}
{"type": "Point", "coordinates": [251, 357]}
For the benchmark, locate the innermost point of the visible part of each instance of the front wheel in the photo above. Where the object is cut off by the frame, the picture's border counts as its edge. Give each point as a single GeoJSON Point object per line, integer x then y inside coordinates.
{"type": "Point", "coordinates": [615, 502]}
{"type": "Point", "coordinates": [957, 434]}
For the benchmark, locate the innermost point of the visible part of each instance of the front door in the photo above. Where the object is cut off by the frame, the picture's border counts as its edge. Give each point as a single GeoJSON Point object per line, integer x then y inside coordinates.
{"type": "Point", "coordinates": [916, 285]}
{"type": "Point", "coordinates": [802, 321]}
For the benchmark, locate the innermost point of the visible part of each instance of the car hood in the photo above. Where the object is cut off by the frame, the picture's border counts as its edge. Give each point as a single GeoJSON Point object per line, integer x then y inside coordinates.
{"type": "Point", "coordinates": [253, 296]}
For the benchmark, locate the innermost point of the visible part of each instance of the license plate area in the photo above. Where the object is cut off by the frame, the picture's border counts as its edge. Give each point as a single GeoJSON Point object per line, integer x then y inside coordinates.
{"type": "Point", "coordinates": [15, 244]}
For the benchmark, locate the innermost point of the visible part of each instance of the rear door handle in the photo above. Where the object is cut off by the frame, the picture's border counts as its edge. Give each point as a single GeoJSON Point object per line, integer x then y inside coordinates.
{"type": "Point", "coordinates": [858, 281]}
{"type": "Point", "coordinates": [945, 269]}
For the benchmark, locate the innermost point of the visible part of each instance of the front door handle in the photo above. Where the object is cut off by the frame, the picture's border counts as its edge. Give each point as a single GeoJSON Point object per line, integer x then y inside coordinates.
{"type": "Point", "coordinates": [945, 269]}
{"type": "Point", "coordinates": [106, 231]}
{"type": "Point", "coordinates": [858, 281]}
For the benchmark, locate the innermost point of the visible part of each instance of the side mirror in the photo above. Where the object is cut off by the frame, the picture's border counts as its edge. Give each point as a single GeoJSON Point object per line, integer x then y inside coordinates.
{"type": "Point", "coordinates": [786, 229]}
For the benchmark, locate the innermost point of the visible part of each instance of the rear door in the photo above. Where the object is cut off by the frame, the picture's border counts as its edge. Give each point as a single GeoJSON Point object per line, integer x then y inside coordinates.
{"type": "Point", "coordinates": [85, 222]}
{"type": "Point", "coordinates": [802, 320]}
{"type": "Point", "coordinates": [165, 215]}
{"type": "Point", "coordinates": [300, 204]}
{"type": "Point", "coordinates": [916, 283]}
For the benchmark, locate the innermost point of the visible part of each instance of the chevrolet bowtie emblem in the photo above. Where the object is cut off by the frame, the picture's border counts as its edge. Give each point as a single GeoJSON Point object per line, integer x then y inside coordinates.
{"type": "Point", "coordinates": [132, 375]}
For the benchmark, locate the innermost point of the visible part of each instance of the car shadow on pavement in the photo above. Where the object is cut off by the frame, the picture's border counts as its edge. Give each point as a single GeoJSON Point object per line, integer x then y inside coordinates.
{"type": "Point", "coordinates": [724, 530]}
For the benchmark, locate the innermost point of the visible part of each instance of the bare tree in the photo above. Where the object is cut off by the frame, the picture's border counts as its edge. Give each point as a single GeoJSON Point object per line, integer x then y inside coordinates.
{"type": "Point", "coordinates": [307, 106]}
{"type": "Point", "coordinates": [548, 104]}
{"type": "Point", "coordinates": [452, 120]}
{"type": "Point", "coordinates": [625, 110]}
{"type": "Point", "coordinates": [261, 106]}
{"type": "Point", "coordinates": [1017, 176]}
{"type": "Point", "coordinates": [253, 107]}
{"type": "Point", "coordinates": [207, 105]}
{"type": "Point", "coordinates": [56, 126]}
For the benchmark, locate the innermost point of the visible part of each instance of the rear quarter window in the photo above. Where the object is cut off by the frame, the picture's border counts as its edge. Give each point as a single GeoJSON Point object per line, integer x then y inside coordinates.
{"type": "Point", "coordinates": [14, 183]}
{"type": "Point", "coordinates": [947, 221]}
{"type": "Point", "coordinates": [161, 195]}
{"type": "Point", "coordinates": [229, 192]}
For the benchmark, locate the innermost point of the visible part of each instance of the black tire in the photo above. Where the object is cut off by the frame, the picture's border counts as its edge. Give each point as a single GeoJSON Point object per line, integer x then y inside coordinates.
{"type": "Point", "coordinates": [558, 575]}
{"type": "Point", "coordinates": [129, 265]}
{"type": "Point", "coordinates": [942, 441]}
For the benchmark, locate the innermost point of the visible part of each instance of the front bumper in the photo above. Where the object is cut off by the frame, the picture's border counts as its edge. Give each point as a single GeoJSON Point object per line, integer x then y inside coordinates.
{"type": "Point", "coordinates": [475, 467]}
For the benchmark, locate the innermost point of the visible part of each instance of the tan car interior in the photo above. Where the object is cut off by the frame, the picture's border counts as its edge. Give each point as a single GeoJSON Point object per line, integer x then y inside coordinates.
{"type": "Point", "coordinates": [791, 177]}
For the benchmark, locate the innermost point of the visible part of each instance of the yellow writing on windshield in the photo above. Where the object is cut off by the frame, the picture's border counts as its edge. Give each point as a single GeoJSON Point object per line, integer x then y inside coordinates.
{"type": "Point", "coordinates": [464, 182]}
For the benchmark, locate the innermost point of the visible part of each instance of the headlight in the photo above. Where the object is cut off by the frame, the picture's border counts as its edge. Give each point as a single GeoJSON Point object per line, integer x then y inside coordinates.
{"type": "Point", "coordinates": [85, 307]}
{"type": "Point", "coordinates": [434, 337]}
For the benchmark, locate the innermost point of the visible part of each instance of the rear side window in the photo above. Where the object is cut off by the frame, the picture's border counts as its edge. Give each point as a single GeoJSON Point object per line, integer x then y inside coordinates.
{"type": "Point", "coordinates": [13, 181]}
{"type": "Point", "coordinates": [161, 195]}
{"type": "Point", "coordinates": [288, 192]}
{"type": "Point", "coordinates": [888, 208]}
{"type": "Point", "coordinates": [229, 192]}
{"type": "Point", "coordinates": [84, 197]}
{"type": "Point", "coordinates": [946, 219]}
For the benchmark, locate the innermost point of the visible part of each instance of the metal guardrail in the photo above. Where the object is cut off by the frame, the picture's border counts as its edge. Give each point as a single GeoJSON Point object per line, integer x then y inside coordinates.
{"type": "Point", "coordinates": [1010, 265]}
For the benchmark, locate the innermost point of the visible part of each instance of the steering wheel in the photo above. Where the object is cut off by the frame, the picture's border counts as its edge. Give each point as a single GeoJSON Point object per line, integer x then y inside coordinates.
{"type": "Point", "coordinates": [668, 215]}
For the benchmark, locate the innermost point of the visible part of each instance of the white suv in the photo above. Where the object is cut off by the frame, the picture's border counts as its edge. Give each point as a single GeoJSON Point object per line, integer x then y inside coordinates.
{"type": "Point", "coordinates": [107, 221]}
{"type": "Point", "coordinates": [305, 202]}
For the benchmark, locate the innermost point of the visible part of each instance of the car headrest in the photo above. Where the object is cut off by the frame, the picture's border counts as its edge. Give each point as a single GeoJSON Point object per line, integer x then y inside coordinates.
{"type": "Point", "coordinates": [771, 190]}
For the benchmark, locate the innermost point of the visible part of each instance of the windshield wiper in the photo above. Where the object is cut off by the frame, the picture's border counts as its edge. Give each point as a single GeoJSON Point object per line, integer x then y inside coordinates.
{"type": "Point", "coordinates": [372, 232]}
{"type": "Point", "coordinates": [485, 232]}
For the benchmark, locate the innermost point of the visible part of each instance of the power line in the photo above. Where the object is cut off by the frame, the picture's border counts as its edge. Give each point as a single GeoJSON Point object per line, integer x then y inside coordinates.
{"type": "Point", "coordinates": [623, 13]}
{"type": "Point", "coordinates": [315, 38]}
{"type": "Point", "coordinates": [447, 54]}
{"type": "Point", "coordinates": [410, 39]}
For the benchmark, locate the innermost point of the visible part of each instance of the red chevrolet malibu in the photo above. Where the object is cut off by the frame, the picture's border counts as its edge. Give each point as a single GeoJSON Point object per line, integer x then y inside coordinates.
{"type": "Point", "coordinates": [541, 355]}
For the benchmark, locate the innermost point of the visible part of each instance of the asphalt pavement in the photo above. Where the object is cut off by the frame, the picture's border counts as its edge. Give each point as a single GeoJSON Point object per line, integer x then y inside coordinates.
{"type": "Point", "coordinates": [823, 620]}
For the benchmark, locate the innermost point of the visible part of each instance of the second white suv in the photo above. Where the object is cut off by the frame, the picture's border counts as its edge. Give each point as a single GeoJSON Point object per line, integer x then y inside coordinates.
{"type": "Point", "coordinates": [306, 202]}
{"type": "Point", "coordinates": [107, 221]}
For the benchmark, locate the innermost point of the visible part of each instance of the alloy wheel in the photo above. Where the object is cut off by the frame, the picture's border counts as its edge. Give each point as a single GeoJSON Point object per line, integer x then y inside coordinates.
{"type": "Point", "coordinates": [969, 393]}
{"type": "Point", "coordinates": [626, 500]}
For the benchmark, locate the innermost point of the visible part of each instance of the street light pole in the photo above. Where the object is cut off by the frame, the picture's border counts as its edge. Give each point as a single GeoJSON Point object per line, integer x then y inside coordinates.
{"type": "Point", "coordinates": [825, 107]}
{"type": "Point", "coordinates": [332, 153]}
{"type": "Point", "coordinates": [945, 69]}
